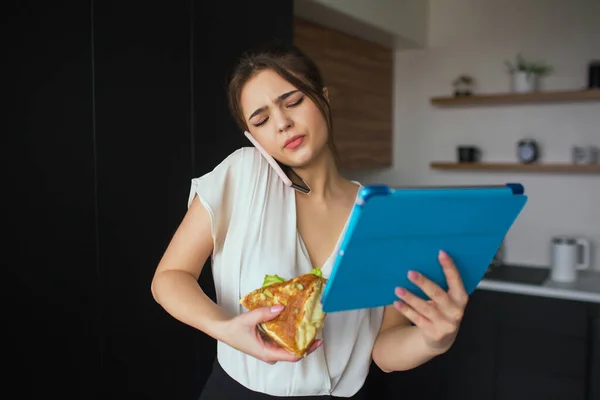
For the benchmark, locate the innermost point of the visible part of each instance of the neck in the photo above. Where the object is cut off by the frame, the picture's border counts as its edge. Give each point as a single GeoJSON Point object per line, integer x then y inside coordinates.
{"type": "Point", "coordinates": [322, 176]}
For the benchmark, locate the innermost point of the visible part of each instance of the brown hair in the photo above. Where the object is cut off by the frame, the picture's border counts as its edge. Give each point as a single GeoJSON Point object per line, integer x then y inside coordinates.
{"type": "Point", "coordinates": [291, 64]}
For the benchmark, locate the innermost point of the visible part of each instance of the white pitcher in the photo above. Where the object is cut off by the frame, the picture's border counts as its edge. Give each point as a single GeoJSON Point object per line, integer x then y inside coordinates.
{"type": "Point", "coordinates": [569, 255]}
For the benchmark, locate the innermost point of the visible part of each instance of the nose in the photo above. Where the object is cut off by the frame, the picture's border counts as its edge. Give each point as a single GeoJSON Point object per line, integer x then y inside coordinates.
{"type": "Point", "coordinates": [284, 122]}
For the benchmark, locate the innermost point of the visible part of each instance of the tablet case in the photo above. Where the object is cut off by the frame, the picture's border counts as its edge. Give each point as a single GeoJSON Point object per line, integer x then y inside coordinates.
{"type": "Point", "coordinates": [394, 230]}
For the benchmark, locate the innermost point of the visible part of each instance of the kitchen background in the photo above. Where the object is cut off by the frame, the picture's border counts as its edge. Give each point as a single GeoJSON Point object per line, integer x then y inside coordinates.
{"type": "Point", "coordinates": [117, 105]}
{"type": "Point", "coordinates": [475, 37]}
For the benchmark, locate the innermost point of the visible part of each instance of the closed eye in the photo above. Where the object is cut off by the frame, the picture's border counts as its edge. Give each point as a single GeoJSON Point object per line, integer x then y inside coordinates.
{"type": "Point", "coordinates": [264, 121]}
{"type": "Point", "coordinates": [294, 104]}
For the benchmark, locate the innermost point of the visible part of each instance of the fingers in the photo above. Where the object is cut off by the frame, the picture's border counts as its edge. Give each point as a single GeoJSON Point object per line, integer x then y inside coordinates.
{"type": "Point", "coordinates": [443, 305]}
{"type": "Point", "coordinates": [270, 351]}
{"type": "Point", "coordinates": [432, 290]}
{"type": "Point", "coordinates": [274, 353]}
{"type": "Point", "coordinates": [316, 344]}
{"type": "Point", "coordinates": [412, 315]}
{"type": "Point", "coordinates": [418, 305]}
{"type": "Point", "coordinates": [456, 288]}
{"type": "Point", "coordinates": [440, 316]}
{"type": "Point", "coordinates": [263, 314]}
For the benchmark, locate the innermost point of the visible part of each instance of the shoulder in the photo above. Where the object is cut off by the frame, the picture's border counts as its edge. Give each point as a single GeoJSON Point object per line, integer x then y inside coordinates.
{"type": "Point", "coordinates": [240, 159]}
{"type": "Point", "coordinates": [238, 163]}
{"type": "Point", "coordinates": [244, 156]}
{"type": "Point", "coordinates": [218, 189]}
{"type": "Point", "coordinates": [242, 170]}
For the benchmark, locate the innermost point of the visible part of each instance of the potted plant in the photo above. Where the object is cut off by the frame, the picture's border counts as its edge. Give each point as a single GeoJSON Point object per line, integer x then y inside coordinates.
{"type": "Point", "coordinates": [525, 75]}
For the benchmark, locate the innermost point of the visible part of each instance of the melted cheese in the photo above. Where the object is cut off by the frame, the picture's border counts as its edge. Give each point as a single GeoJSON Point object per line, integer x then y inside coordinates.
{"type": "Point", "coordinates": [311, 320]}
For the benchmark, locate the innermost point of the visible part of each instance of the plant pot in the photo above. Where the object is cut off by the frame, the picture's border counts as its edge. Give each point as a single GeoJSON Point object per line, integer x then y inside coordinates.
{"type": "Point", "coordinates": [523, 82]}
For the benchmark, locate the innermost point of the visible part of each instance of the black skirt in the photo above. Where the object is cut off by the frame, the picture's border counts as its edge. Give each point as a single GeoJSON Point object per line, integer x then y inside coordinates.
{"type": "Point", "coordinates": [221, 386]}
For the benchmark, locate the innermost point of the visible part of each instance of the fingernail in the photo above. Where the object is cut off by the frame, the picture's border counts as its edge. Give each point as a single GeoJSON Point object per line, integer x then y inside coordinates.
{"type": "Point", "coordinates": [401, 291]}
{"type": "Point", "coordinates": [443, 254]}
{"type": "Point", "coordinates": [412, 275]}
{"type": "Point", "coordinates": [275, 309]}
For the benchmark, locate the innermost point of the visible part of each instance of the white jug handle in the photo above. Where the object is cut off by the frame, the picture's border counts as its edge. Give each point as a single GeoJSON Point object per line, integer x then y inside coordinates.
{"type": "Point", "coordinates": [584, 246]}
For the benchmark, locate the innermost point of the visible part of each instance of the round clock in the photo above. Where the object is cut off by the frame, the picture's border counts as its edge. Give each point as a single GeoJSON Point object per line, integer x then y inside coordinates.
{"type": "Point", "coordinates": [527, 151]}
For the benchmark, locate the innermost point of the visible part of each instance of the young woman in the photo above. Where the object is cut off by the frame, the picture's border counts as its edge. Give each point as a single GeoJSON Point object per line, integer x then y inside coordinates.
{"type": "Point", "coordinates": [243, 216]}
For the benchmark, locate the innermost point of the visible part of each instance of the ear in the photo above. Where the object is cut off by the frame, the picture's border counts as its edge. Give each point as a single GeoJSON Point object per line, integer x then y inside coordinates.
{"type": "Point", "coordinates": [326, 93]}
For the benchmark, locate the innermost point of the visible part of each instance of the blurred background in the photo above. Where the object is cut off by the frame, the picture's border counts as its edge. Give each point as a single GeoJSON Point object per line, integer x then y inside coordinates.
{"type": "Point", "coordinates": [115, 106]}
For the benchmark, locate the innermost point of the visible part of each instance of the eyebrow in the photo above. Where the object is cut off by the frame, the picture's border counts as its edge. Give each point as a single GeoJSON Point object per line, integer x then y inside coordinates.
{"type": "Point", "coordinates": [277, 101]}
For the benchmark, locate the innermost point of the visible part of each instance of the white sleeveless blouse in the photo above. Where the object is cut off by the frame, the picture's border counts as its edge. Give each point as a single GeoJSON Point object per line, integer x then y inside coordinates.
{"type": "Point", "coordinates": [254, 229]}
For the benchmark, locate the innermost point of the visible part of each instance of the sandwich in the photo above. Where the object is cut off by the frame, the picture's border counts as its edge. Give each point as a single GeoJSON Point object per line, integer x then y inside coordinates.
{"type": "Point", "coordinates": [296, 327]}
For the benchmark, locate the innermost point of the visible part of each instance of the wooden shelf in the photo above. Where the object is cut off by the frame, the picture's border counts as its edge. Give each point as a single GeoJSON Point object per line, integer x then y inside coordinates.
{"type": "Point", "coordinates": [518, 167]}
{"type": "Point", "coordinates": [515, 98]}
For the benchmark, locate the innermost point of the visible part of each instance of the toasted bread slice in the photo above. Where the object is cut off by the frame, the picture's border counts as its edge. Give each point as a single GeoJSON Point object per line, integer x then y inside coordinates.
{"type": "Point", "coordinates": [296, 327]}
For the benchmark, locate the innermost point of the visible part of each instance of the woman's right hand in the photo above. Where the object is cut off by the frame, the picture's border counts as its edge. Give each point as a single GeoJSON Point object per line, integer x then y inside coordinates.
{"type": "Point", "coordinates": [241, 332]}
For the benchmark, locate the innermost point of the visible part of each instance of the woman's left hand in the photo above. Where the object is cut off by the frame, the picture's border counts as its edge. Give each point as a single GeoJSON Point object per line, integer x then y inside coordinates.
{"type": "Point", "coordinates": [440, 317]}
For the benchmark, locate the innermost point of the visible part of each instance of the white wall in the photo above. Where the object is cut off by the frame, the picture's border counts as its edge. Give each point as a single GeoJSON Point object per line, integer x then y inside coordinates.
{"type": "Point", "coordinates": [475, 37]}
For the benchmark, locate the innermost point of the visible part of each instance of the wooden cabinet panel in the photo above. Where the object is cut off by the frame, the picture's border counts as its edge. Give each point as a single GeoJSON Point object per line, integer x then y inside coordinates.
{"type": "Point", "coordinates": [359, 78]}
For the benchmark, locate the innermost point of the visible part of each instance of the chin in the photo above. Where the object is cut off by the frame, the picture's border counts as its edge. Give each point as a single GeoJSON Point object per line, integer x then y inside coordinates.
{"type": "Point", "coordinates": [299, 158]}
{"type": "Point", "coordinates": [305, 154]}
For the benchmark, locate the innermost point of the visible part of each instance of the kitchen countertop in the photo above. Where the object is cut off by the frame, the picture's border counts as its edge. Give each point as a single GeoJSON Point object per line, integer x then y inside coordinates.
{"type": "Point", "coordinates": [536, 281]}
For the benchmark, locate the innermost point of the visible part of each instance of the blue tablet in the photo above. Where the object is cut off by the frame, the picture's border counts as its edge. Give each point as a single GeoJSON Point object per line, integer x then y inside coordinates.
{"type": "Point", "coordinates": [394, 230]}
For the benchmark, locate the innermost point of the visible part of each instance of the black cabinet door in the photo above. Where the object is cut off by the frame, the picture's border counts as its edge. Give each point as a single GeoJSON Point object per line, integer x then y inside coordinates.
{"type": "Point", "coordinates": [50, 252]}
{"type": "Point", "coordinates": [420, 383]}
{"type": "Point", "coordinates": [466, 371]}
{"type": "Point", "coordinates": [469, 366]}
{"type": "Point", "coordinates": [593, 377]}
{"type": "Point", "coordinates": [542, 348]}
{"type": "Point", "coordinates": [512, 346]}
{"type": "Point", "coordinates": [144, 158]}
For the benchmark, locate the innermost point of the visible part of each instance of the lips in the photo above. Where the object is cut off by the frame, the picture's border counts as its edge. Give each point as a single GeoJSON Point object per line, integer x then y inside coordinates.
{"type": "Point", "coordinates": [294, 142]}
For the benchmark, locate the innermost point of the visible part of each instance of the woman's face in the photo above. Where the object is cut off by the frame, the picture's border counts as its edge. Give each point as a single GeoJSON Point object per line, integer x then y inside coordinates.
{"type": "Point", "coordinates": [286, 122]}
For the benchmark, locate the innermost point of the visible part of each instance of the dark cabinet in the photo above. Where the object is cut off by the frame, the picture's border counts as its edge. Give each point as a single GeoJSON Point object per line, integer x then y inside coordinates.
{"type": "Point", "coordinates": [542, 348]}
{"type": "Point", "coordinates": [471, 361]}
{"type": "Point", "coordinates": [593, 376]}
{"type": "Point", "coordinates": [50, 283]}
{"type": "Point", "coordinates": [143, 165]}
{"type": "Point", "coordinates": [513, 346]}
{"type": "Point", "coordinates": [117, 106]}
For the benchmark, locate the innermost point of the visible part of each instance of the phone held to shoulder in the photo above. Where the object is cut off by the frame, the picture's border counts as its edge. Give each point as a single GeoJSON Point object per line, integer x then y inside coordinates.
{"type": "Point", "coordinates": [287, 174]}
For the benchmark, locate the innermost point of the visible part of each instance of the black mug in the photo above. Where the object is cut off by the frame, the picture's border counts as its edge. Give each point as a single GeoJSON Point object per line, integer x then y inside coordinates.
{"type": "Point", "coordinates": [468, 154]}
{"type": "Point", "coordinates": [594, 75]}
